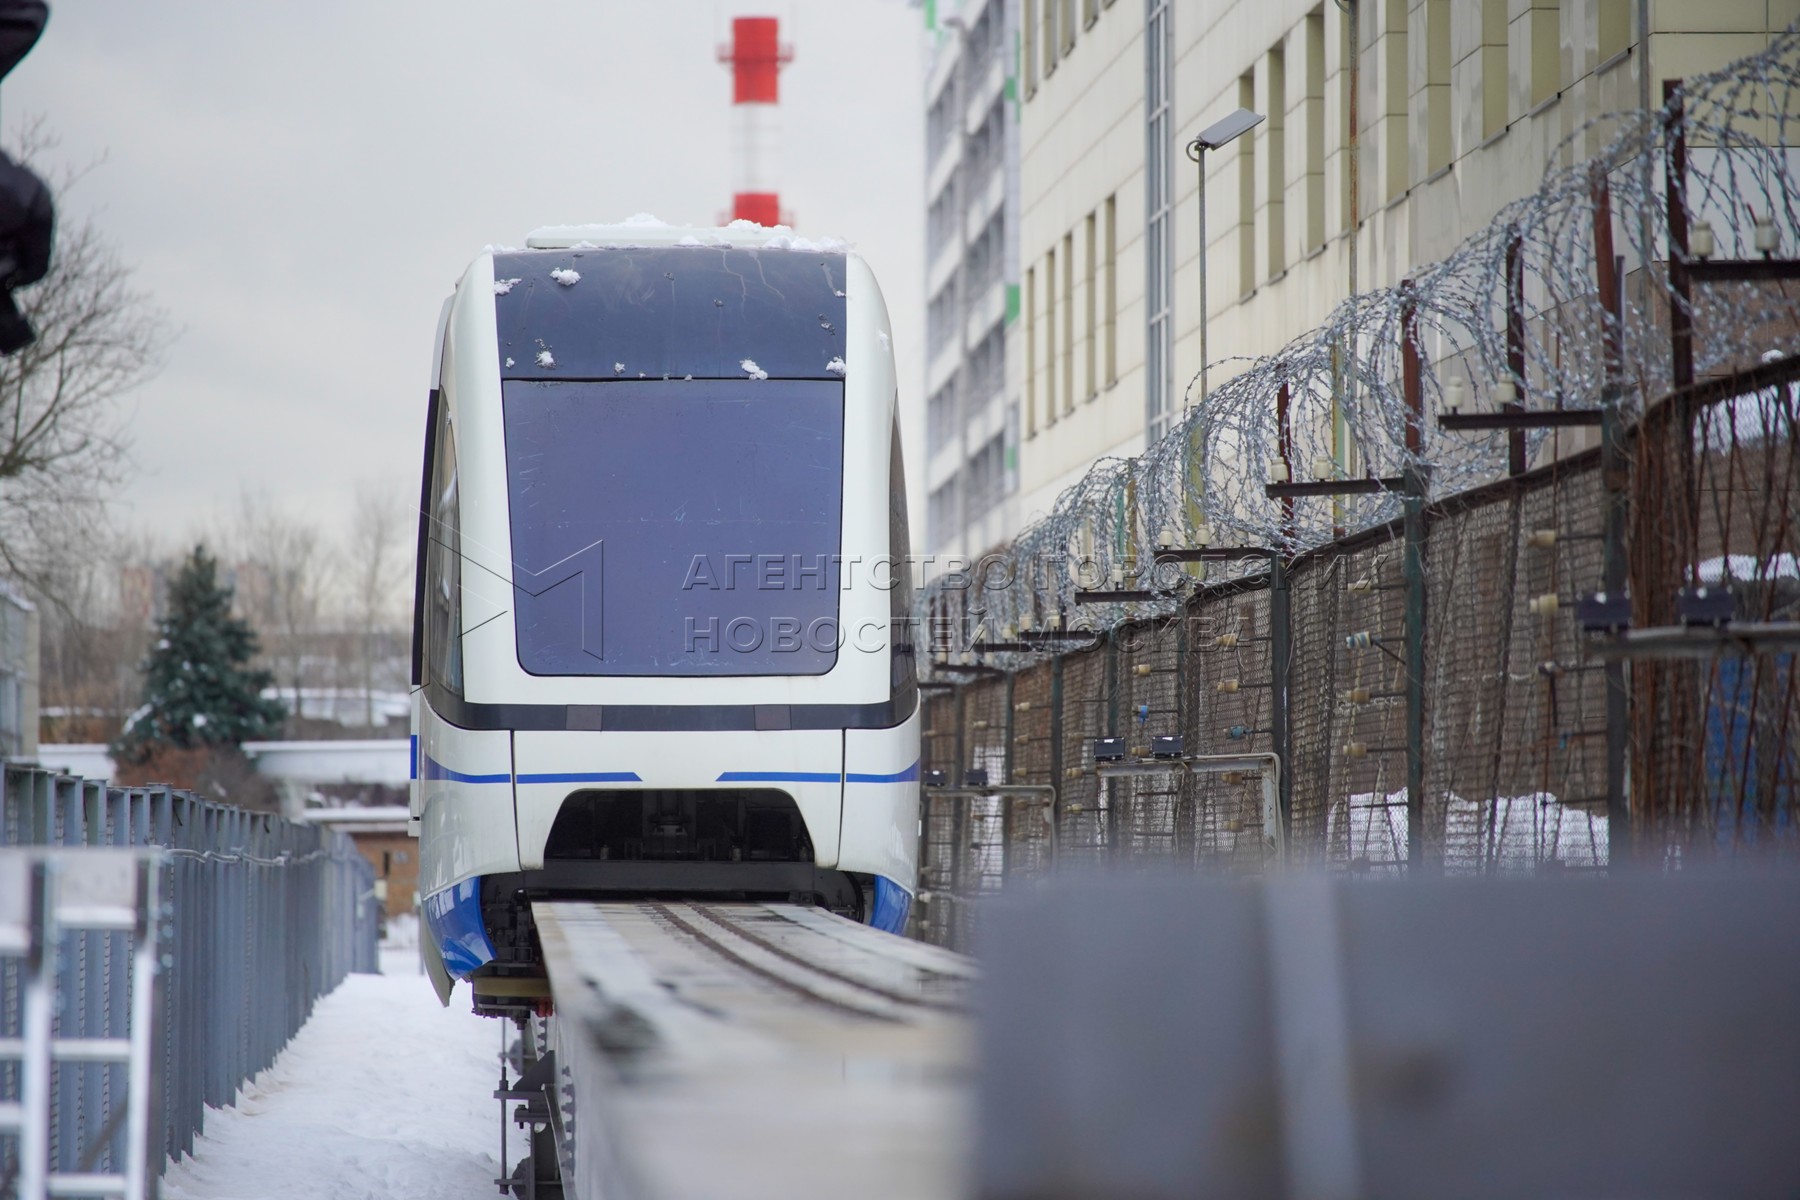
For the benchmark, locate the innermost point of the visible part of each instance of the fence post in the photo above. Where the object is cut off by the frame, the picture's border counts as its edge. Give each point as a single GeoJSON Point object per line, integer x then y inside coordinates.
{"type": "Point", "coordinates": [1103, 786]}
{"type": "Point", "coordinates": [1281, 650]}
{"type": "Point", "coordinates": [1615, 480]}
{"type": "Point", "coordinates": [961, 858]}
{"type": "Point", "coordinates": [1414, 569]}
{"type": "Point", "coordinates": [962, 736]}
{"type": "Point", "coordinates": [1681, 319]}
{"type": "Point", "coordinates": [1006, 773]}
{"type": "Point", "coordinates": [1281, 630]}
{"type": "Point", "coordinates": [1515, 351]}
{"type": "Point", "coordinates": [71, 961]}
{"type": "Point", "coordinates": [1056, 744]}
{"type": "Point", "coordinates": [159, 825]}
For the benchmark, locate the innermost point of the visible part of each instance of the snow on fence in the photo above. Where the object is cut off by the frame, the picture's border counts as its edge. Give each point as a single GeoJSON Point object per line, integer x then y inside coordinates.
{"type": "Point", "coordinates": [258, 918]}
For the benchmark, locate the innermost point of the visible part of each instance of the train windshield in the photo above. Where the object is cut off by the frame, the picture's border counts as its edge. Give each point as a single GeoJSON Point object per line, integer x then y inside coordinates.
{"type": "Point", "coordinates": [667, 527]}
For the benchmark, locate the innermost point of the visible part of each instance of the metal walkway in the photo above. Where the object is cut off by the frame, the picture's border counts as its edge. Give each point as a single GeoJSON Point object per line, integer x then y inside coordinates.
{"type": "Point", "coordinates": [708, 1050]}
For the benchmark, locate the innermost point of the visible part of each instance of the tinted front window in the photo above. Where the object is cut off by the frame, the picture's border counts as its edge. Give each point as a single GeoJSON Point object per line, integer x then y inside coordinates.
{"type": "Point", "coordinates": [675, 527]}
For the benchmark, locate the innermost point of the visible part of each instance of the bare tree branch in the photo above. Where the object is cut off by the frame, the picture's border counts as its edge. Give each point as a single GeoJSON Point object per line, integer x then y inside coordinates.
{"type": "Point", "coordinates": [375, 562]}
{"type": "Point", "coordinates": [295, 567]}
{"type": "Point", "coordinates": [61, 433]}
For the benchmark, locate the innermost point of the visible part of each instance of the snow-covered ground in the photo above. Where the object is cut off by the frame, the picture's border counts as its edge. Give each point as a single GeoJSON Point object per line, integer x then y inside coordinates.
{"type": "Point", "coordinates": [382, 1095]}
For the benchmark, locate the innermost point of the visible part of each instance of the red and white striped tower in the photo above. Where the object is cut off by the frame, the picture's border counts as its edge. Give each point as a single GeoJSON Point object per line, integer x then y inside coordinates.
{"type": "Point", "coordinates": [756, 56]}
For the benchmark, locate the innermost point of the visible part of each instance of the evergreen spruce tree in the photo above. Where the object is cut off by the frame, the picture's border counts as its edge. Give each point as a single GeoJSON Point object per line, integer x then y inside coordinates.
{"type": "Point", "coordinates": [199, 690]}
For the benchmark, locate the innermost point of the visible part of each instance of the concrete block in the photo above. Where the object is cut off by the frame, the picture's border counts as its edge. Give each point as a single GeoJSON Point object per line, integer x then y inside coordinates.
{"type": "Point", "coordinates": [1414, 1039]}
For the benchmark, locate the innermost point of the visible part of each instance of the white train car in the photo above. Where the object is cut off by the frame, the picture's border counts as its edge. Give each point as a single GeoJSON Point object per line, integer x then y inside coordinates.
{"type": "Point", "coordinates": [660, 641]}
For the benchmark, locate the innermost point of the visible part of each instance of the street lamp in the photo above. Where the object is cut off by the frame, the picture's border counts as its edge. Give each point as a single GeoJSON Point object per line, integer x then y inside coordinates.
{"type": "Point", "coordinates": [1211, 138]}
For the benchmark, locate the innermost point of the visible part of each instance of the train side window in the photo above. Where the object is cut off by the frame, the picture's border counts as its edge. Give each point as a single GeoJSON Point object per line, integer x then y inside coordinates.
{"type": "Point", "coordinates": [422, 548]}
{"type": "Point", "coordinates": [904, 671]}
{"type": "Point", "coordinates": [443, 565]}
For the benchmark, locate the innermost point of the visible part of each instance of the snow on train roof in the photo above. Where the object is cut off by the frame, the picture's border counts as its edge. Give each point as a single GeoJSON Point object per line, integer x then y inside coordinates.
{"type": "Point", "coordinates": [622, 310]}
{"type": "Point", "coordinates": [644, 230]}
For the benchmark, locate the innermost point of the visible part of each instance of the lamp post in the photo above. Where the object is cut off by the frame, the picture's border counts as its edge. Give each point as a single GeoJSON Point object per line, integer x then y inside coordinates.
{"type": "Point", "coordinates": [1211, 138]}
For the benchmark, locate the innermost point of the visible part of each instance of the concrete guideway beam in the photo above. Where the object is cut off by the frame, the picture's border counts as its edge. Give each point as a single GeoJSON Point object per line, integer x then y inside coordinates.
{"type": "Point", "coordinates": [752, 1050]}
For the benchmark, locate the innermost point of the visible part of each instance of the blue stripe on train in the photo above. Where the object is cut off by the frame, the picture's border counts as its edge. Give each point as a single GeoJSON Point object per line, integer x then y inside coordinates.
{"type": "Point", "coordinates": [779, 777]}
{"type": "Point", "coordinates": [437, 770]}
{"type": "Point", "coordinates": [905, 775]}
{"type": "Point", "coordinates": [583, 777]}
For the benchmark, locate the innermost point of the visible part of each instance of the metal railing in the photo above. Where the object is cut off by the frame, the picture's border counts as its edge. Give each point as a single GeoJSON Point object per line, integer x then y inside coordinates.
{"type": "Point", "coordinates": [257, 918]}
{"type": "Point", "coordinates": [48, 897]}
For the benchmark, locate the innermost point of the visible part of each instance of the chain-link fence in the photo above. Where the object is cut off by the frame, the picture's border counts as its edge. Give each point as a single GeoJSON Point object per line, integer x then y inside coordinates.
{"type": "Point", "coordinates": [259, 917]}
{"type": "Point", "coordinates": [1496, 571]}
{"type": "Point", "coordinates": [1511, 718]}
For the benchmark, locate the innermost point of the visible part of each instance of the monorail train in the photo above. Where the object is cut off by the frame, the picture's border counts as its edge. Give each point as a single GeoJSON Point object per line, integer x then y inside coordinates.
{"type": "Point", "coordinates": [660, 640]}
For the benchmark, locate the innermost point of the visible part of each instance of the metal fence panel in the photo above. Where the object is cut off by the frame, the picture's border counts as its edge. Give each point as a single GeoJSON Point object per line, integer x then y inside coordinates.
{"type": "Point", "coordinates": [259, 918]}
{"type": "Point", "coordinates": [1514, 713]}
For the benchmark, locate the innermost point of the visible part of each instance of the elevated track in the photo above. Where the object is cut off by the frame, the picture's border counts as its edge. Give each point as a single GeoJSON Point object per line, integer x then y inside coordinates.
{"type": "Point", "coordinates": [749, 1050]}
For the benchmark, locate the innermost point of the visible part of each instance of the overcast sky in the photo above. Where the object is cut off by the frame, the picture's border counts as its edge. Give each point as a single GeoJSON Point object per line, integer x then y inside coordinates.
{"type": "Point", "coordinates": [300, 184]}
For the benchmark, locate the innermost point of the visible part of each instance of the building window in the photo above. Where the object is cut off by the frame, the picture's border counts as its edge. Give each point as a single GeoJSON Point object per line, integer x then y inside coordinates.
{"type": "Point", "coordinates": [1112, 290]}
{"type": "Point", "coordinates": [1431, 103]}
{"type": "Point", "coordinates": [1028, 40]}
{"type": "Point", "coordinates": [1313, 120]}
{"type": "Point", "coordinates": [940, 221]}
{"type": "Point", "coordinates": [1050, 337]}
{"type": "Point", "coordinates": [940, 417]}
{"type": "Point", "coordinates": [987, 477]}
{"type": "Point", "coordinates": [1348, 140]}
{"type": "Point", "coordinates": [987, 368]}
{"type": "Point", "coordinates": [1274, 127]}
{"type": "Point", "coordinates": [1246, 156]}
{"type": "Point", "coordinates": [1535, 38]}
{"type": "Point", "coordinates": [1158, 251]}
{"type": "Point", "coordinates": [940, 512]}
{"type": "Point", "coordinates": [1031, 352]}
{"type": "Point", "coordinates": [1614, 34]}
{"type": "Point", "coordinates": [1068, 25]}
{"type": "Point", "coordinates": [982, 40]}
{"type": "Point", "coordinates": [1048, 39]}
{"type": "Point", "coordinates": [1090, 12]}
{"type": "Point", "coordinates": [1068, 330]}
{"type": "Point", "coordinates": [1494, 106]}
{"type": "Point", "coordinates": [1391, 109]}
{"type": "Point", "coordinates": [940, 319]}
{"type": "Point", "coordinates": [984, 151]}
{"type": "Point", "coordinates": [937, 126]}
{"type": "Point", "coordinates": [1090, 306]}
{"type": "Point", "coordinates": [985, 260]}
